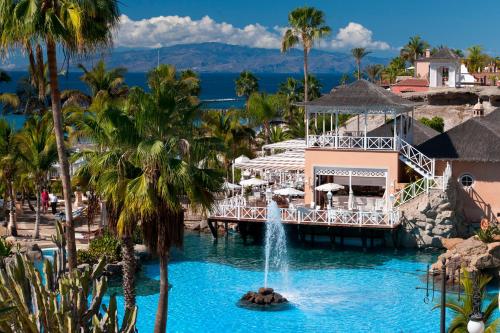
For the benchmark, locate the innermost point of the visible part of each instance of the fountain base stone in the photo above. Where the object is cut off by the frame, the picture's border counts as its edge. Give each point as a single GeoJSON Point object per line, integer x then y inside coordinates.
{"type": "Point", "coordinates": [264, 299]}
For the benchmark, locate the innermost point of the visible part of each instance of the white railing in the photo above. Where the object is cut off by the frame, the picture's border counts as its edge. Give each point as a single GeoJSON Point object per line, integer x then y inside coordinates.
{"type": "Point", "coordinates": [413, 155]}
{"type": "Point", "coordinates": [310, 216]}
{"type": "Point", "coordinates": [413, 190]}
{"type": "Point", "coordinates": [351, 142]}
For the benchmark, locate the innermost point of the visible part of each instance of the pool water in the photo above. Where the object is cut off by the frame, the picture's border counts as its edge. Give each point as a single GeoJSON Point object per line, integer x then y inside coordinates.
{"type": "Point", "coordinates": [330, 290]}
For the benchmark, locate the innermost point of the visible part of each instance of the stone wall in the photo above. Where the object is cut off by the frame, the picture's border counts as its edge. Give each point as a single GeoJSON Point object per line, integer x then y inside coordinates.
{"type": "Point", "coordinates": [431, 217]}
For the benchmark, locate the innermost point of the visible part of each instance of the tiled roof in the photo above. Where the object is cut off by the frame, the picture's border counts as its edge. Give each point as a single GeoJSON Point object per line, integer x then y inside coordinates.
{"type": "Point", "coordinates": [413, 83]}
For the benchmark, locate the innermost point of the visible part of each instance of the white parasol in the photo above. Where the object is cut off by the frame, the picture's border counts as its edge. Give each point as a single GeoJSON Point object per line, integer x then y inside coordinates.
{"type": "Point", "coordinates": [289, 191]}
{"type": "Point", "coordinates": [252, 182]}
{"type": "Point", "coordinates": [329, 187]}
{"type": "Point", "coordinates": [230, 186]}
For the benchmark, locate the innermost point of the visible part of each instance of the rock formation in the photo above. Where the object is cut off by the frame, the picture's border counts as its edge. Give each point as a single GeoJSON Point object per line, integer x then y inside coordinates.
{"type": "Point", "coordinates": [473, 255]}
{"type": "Point", "coordinates": [264, 298]}
{"type": "Point", "coordinates": [429, 218]}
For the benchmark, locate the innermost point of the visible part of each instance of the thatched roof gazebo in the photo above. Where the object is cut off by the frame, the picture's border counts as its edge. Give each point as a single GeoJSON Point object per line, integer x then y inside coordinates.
{"type": "Point", "coordinates": [358, 98]}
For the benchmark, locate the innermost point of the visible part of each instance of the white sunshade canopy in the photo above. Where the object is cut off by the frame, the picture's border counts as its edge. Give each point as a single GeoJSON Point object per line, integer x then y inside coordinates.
{"type": "Point", "coordinates": [241, 159]}
{"type": "Point", "coordinates": [329, 187]}
{"type": "Point", "coordinates": [288, 161]}
{"type": "Point", "coordinates": [252, 182]}
{"type": "Point", "coordinates": [230, 186]}
{"type": "Point", "coordinates": [289, 191]}
{"type": "Point", "coordinates": [294, 144]}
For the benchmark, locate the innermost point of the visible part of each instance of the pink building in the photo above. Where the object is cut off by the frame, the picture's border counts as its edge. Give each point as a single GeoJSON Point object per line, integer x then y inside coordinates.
{"type": "Point", "coordinates": [473, 151]}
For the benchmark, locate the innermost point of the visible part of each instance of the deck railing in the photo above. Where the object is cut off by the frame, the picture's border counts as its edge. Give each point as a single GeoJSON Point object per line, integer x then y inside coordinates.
{"type": "Point", "coordinates": [421, 186]}
{"type": "Point", "coordinates": [309, 216]}
{"type": "Point", "coordinates": [351, 142]}
{"type": "Point", "coordinates": [424, 164]}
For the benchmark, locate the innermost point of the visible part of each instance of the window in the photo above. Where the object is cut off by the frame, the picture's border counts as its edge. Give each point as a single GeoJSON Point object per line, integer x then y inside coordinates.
{"type": "Point", "coordinates": [466, 180]}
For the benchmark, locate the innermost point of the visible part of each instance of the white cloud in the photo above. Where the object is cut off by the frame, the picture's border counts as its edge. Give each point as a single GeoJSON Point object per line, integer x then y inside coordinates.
{"type": "Point", "coordinates": [170, 30]}
{"type": "Point", "coordinates": [356, 35]}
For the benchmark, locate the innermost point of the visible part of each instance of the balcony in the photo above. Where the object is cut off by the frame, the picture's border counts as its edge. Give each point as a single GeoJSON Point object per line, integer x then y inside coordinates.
{"type": "Point", "coordinates": [349, 142]}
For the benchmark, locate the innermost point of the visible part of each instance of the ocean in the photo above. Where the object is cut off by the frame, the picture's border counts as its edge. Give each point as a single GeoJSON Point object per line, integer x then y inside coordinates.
{"type": "Point", "coordinates": [214, 86]}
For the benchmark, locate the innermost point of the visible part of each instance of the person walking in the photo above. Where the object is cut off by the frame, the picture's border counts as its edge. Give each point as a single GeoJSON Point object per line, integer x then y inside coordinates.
{"type": "Point", "coordinates": [53, 202]}
{"type": "Point", "coordinates": [45, 201]}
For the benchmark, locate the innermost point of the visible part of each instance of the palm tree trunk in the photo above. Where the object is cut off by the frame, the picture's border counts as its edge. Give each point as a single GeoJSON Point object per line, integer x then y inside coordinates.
{"type": "Point", "coordinates": [162, 312]}
{"type": "Point", "coordinates": [36, 233]}
{"type": "Point", "coordinates": [61, 151]}
{"type": "Point", "coordinates": [12, 227]}
{"type": "Point", "coordinates": [128, 272]}
{"type": "Point", "coordinates": [306, 85]}
{"type": "Point", "coordinates": [359, 69]}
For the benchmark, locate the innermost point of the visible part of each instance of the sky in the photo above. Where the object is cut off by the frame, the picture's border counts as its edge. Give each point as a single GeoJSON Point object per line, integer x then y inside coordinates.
{"type": "Point", "coordinates": [382, 26]}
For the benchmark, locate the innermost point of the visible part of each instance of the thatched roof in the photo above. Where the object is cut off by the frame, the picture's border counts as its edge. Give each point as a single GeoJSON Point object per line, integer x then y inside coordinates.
{"type": "Point", "coordinates": [360, 97]}
{"type": "Point", "coordinates": [477, 139]}
{"type": "Point", "coordinates": [421, 132]}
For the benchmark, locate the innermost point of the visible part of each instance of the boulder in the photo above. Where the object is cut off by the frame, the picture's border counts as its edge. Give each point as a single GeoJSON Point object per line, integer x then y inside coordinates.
{"type": "Point", "coordinates": [471, 254]}
{"type": "Point", "coordinates": [266, 291]}
{"type": "Point", "coordinates": [450, 243]}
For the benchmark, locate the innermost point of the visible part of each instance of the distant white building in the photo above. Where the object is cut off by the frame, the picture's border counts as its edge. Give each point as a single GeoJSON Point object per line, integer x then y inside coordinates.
{"type": "Point", "coordinates": [442, 69]}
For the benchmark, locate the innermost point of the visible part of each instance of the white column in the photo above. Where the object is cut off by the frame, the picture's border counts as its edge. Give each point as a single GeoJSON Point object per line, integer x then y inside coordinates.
{"type": "Point", "coordinates": [394, 129]}
{"type": "Point", "coordinates": [324, 124]}
{"type": "Point", "coordinates": [336, 129]}
{"type": "Point", "coordinates": [365, 130]}
{"type": "Point", "coordinates": [331, 122]}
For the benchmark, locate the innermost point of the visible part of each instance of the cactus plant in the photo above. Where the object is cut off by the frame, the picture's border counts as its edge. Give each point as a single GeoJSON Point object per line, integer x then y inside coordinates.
{"type": "Point", "coordinates": [58, 302]}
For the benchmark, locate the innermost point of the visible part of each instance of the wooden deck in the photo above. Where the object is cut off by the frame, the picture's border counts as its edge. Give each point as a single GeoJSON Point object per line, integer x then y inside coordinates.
{"type": "Point", "coordinates": [303, 216]}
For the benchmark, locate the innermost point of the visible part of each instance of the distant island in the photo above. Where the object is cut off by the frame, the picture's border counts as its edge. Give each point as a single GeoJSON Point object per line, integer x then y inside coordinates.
{"type": "Point", "coordinates": [219, 57]}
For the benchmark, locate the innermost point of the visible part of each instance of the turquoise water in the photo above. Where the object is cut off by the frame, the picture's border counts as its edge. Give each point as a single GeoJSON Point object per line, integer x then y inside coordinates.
{"type": "Point", "coordinates": [334, 291]}
{"type": "Point", "coordinates": [330, 290]}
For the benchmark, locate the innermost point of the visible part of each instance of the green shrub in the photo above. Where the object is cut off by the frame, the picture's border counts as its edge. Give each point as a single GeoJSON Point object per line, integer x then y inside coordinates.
{"type": "Point", "coordinates": [488, 234]}
{"type": "Point", "coordinates": [5, 248]}
{"type": "Point", "coordinates": [436, 123]}
{"type": "Point", "coordinates": [107, 246]}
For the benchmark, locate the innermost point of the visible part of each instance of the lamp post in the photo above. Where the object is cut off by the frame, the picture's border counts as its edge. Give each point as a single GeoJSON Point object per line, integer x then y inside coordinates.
{"type": "Point", "coordinates": [476, 323]}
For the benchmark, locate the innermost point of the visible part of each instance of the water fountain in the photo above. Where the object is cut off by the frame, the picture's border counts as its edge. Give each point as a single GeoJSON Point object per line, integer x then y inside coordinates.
{"type": "Point", "coordinates": [277, 257]}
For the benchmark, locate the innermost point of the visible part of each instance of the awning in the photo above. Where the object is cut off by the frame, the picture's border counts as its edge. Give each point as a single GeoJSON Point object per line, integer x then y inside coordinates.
{"type": "Point", "coordinates": [288, 161]}
{"type": "Point", "coordinates": [295, 144]}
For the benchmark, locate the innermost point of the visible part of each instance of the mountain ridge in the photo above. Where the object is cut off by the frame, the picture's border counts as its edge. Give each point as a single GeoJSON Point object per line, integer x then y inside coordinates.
{"type": "Point", "coordinates": [223, 58]}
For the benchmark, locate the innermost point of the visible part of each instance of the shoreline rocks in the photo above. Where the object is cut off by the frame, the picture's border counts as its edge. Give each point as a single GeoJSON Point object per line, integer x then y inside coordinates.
{"type": "Point", "coordinates": [473, 255]}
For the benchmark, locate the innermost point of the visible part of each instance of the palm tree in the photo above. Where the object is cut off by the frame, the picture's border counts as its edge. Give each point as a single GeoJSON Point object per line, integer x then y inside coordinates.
{"type": "Point", "coordinates": [262, 109]}
{"type": "Point", "coordinates": [246, 84]}
{"type": "Point", "coordinates": [78, 26]}
{"type": "Point", "coordinates": [7, 99]}
{"type": "Point", "coordinates": [237, 138]}
{"type": "Point", "coordinates": [9, 165]}
{"type": "Point", "coordinates": [106, 172]}
{"type": "Point", "coordinates": [278, 134]}
{"type": "Point", "coordinates": [314, 88]}
{"type": "Point", "coordinates": [291, 89]}
{"type": "Point", "coordinates": [99, 79]}
{"type": "Point", "coordinates": [374, 72]}
{"type": "Point", "coordinates": [38, 152]}
{"type": "Point", "coordinates": [307, 25]}
{"type": "Point", "coordinates": [359, 53]}
{"type": "Point", "coordinates": [396, 67]}
{"type": "Point", "coordinates": [162, 160]}
{"type": "Point", "coordinates": [415, 48]}
{"type": "Point", "coordinates": [464, 308]}
{"type": "Point", "coordinates": [344, 79]}
{"type": "Point", "coordinates": [476, 59]}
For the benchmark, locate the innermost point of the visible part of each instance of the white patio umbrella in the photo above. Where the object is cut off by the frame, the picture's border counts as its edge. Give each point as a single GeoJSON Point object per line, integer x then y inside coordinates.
{"type": "Point", "coordinates": [329, 187]}
{"type": "Point", "coordinates": [252, 182]}
{"type": "Point", "coordinates": [289, 191]}
{"type": "Point", "coordinates": [230, 186]}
